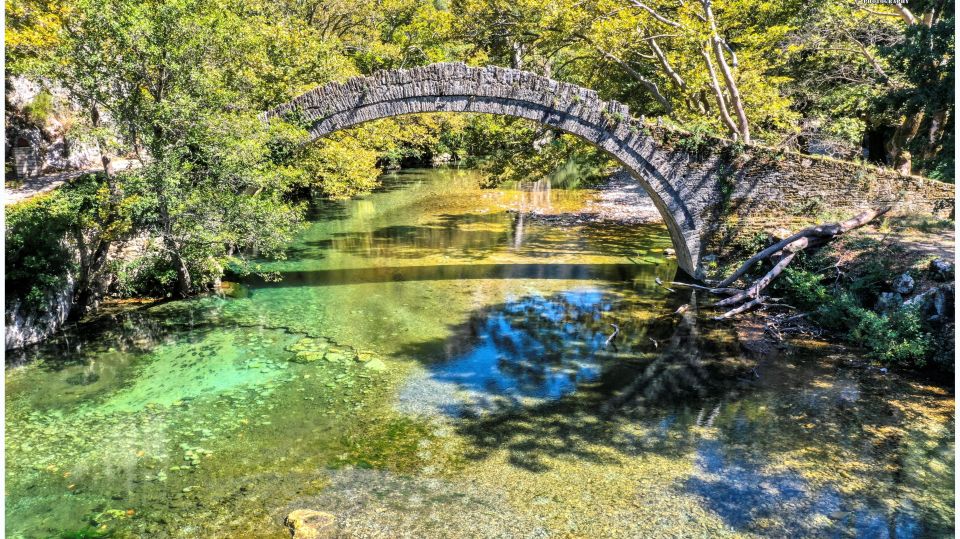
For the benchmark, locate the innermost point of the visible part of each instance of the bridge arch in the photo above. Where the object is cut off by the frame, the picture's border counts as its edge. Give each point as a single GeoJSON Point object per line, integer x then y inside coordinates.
{"type": "Point", "coordinates": [455, 87]}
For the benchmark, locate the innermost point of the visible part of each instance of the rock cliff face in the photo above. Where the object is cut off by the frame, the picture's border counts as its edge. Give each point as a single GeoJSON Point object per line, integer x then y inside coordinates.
{"type": "Point", "coordinates": [26, 326]}
{"type": "Point", "coordinates": [49, 137]}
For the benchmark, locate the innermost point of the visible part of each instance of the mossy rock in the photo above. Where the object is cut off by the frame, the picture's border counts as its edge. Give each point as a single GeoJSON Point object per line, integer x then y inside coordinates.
{"type": "Point", "coordinates": [308, 357]}
{"type": "Point", "coordinates": [234, 290]}
{"type": "Point", "coordinates": [335, 356]}
{"type": "Point", "coordinates": [364, 357]}
{"type": "Point", "coordinates": [309, 349]}
{"type": "Point", "coordinates": [376, 365]}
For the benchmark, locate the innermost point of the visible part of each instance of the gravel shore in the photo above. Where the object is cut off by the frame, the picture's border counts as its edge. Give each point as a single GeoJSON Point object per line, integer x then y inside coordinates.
{"type": "Point", "coordinates": [618, 200]}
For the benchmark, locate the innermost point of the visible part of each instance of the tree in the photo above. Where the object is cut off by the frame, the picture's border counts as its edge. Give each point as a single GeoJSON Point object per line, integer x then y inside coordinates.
{"type": "Point", "coordinates": [880, 76]}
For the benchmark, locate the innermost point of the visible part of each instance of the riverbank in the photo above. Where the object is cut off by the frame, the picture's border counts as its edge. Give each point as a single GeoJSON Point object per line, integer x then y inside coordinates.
{"type": "Point", "coordinates": [894, 279]}
{"type": "Point", "coordinates": [887, 289]}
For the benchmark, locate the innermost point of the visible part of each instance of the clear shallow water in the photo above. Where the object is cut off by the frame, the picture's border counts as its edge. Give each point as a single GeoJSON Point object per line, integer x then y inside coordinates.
{"type": "Point", "coordinates": [430, 365]}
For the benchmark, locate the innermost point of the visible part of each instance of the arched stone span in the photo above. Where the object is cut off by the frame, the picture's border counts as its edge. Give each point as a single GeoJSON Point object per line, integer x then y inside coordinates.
{"type": "Point", "coordinates": [456, 87]}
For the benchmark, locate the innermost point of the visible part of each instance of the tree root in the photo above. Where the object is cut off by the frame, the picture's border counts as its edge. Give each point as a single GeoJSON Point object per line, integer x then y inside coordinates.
{"type": "Point", "coordinates": [781, 254]}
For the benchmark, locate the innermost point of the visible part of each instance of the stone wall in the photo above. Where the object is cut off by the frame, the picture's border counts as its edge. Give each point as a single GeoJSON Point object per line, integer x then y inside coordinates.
{"type": "Point", "coordinates": [707, 199]}
{"type": "Point", "coordinates": [755, 189]}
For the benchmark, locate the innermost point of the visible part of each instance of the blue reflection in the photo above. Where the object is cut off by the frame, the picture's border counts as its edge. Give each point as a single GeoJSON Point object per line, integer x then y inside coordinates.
{"type": "Point", "coordinates": [531, 348]}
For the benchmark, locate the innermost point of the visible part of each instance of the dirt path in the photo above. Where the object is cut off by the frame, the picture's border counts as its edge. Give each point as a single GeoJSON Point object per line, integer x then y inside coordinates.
{"type": "Point", "coordinates": [45, 183]}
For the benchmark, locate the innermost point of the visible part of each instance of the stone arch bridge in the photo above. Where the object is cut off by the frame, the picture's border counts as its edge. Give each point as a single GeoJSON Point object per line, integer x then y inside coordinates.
{"type": "Point", "coordinates": [707, 197]}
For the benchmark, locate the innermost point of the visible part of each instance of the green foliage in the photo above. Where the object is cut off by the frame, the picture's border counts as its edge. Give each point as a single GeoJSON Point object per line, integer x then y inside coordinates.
{"type": "Point", "coordinates": [340, 167]}
{"type": "Point", "coordinates": [38, 260]}
{"type": "Point", "coordinates": [40, 108]}
{"type": "Point", "coordinates": [898, 336]}
{"type": "Point", "coordinates": [751, 244]}
{"type": "Point", "coordinates": [926, 58]}
{"type": "Point", "coordinates": [697, 141]}
{"type": "Point", "coordinates": [543, 154]}
{"type": "Point", "coordinates": [89, 532]}
{"type": "Point", "coordinates": [150, 275]}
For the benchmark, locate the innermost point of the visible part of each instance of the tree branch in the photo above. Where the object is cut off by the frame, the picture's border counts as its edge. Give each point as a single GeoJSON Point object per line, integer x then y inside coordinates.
{"type": "Point", "coordinates": [717, 43]}
{"type": "Point", "coordinates": [718, 93]}
{"type": "Point", "coordinates": [654, 14]}
{"type": "Point", "coordinates": [820, 231]}
{"type": "Point", "coordinates": [905, 14]}
{"type": "Point", "coordinates": [649, 84]}
{"type": "Point", "coordinates": [665, 64]}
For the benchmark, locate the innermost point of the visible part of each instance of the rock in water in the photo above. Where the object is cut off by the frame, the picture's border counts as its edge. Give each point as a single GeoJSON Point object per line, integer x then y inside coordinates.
{"type": "Point", "coordinates": [375, 365]}
{"type": "Point", "coordinates": [903, 284]}
{"type": "Point", "coordinates": [309, 524]}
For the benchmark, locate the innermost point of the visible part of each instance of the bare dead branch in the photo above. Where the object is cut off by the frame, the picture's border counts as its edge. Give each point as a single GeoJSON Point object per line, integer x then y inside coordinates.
{"type": "Point", "coordinates": [717, 291]}
{"type": "Point", "coordinates": [763, 282]}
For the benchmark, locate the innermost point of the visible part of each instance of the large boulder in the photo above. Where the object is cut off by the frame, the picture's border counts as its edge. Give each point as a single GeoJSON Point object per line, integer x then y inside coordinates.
{"type": "Point", "coordinates": [904, 284]}
{"type": "Point", "coordinates": [941, 269]}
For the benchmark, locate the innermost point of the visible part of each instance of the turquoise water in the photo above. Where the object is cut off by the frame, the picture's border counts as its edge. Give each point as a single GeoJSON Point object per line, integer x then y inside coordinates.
{"type": "Point", "coordinates": [429, 363]}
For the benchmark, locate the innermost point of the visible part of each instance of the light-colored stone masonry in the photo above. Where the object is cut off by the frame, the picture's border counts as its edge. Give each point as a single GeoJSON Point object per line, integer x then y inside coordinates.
{"type": "Point", "coordinates": [707, 201]}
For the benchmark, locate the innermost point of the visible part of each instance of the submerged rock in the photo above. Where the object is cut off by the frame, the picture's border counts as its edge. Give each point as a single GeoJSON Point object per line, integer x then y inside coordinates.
{"type": "Point", "coordinates": [375, 364]}
{"type": "Point", "coordinates": [364, 357]}
{"type": "Point", "coordinates": [309, 349]}
{"type": "Point", "coordinates": [234, 290]}
{"type": "Point", "coordinates": [309, 524]}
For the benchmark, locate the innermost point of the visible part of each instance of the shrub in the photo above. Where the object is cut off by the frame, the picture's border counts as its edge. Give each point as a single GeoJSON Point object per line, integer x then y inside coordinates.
{"type": "Point", "coordinates": [899, 337]}
{"type": "Point", "coordinates": [37, 258]}
{"type": "Point", "coordinates": [40, 108]}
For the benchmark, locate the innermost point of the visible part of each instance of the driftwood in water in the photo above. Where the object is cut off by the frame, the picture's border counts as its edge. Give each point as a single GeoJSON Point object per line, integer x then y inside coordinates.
{"type": "Point", "coordinates": [781, 253]}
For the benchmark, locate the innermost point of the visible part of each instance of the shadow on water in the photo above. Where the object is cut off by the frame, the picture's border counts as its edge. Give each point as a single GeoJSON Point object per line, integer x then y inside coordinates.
{"type": "Point", "coordinates": [476, 236]}
{"type": "Point", "coordinates": [541, 379]}
{"type": "Point", "coordinates": [444, 272]}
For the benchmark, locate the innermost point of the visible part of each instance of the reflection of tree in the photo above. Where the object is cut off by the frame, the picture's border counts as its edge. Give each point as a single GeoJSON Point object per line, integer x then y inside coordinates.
{"type": "Point", "coordinates": [676, 371]}
{"type": "Point", "coordinates": [803, 450]}
{"type": "Point", "coordinates": [545, 347]}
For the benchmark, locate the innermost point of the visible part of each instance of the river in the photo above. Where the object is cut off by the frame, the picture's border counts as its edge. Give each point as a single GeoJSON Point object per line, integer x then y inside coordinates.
{"type": "Point", "coordinates": [425, 363]}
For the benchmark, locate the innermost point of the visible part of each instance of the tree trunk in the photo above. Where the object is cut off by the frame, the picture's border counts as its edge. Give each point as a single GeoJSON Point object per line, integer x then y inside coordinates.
{"type": "Point", "coordinates": [184, 281]}
{"type": "Point", "coordinates": [897, 153]}
{"type": "Point", "coordinates": [937, 121]}
{"type": "Point", "coordinates": [717, 44]}
{"type": "Point", "coordinates": [516, 57]}
{"type": "Point", "coordinates": [783, 252]}
{"type": "Point", "coordinates": [101, 142]}
{"type": "Point", "coordinates": [91, 284]}
{"type": "Point", "coordinates": [718, 93]}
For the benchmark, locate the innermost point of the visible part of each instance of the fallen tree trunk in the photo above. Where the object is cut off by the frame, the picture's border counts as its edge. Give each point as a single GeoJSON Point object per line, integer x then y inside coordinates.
{"type": "Point", "coordinates": [781, 253]}
{"type": "Point", "coordinates": [743, 308]}
{"type": "Point", "coordinates": [826, 232]}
